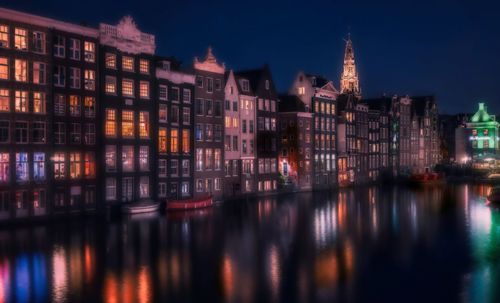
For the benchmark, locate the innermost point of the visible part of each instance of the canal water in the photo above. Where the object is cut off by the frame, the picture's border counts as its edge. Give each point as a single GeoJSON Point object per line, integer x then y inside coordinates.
{"type": "Point", "coordinates": [396, 244]}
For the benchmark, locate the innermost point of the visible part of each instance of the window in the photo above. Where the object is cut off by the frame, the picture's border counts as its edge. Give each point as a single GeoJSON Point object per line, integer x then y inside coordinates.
{"type": "Point", "coordinates": [89, 79]}
{"type": "Point", "coordinates": [144, 187]}
{"type": "Point", "coordinates": [217, 184]}
{"type": "Point", "coordinates": [74, 77]}
{"type": "Point", "coordinates": [59, 76]}
{"type": "Point", "coordinates": [186, 96]}
{"type": "Point", "coordinates": [110, 127]}
{"type": "Point", "coordinates": [4, 131]}
{"type": "Point", "coordinates": [162, 140]}
{"type": "Point", "coordinates": [21, 70]}
{"type": "Point", "coordinates": [186, 141]}
{"type": "Point", "coordinates": [175, 94]}
{"type": "Point", "coordinates": [59, 133]}
{"type": "Point", "coordinates": [59, 165]}
{"type": "Point", "coordinates": [21, 132]}
{"type": "Point", "coordinates": [199, 159]}
{"type": "Point", "coordinates": [75, 134]}
{"type": "Point", "coordinates": [89, 165]}
{"type": "Point", "coordinates": [174, 114]}
{"type": "Point", "coordinates": [59, 105]}
{"type": "Point", "coordinates": [144, 158]}
{"type": "Point", "coordinates": [218, 84]}
{"type": "Point", "coordinates": [208, 159]}
{"type": "Point", "coordinates": [75, 165]}
{"type": "Point", "coordinates": [4, 100]}
{"type": "Point", "coordinates": [235, 143]}
{"type": "Point", "coordinates": [218, 133]}
{"type": "Point", "coordinates": [174, 141]}
{"type": "Point", "coordinates": [74, 106]}
{"type": "Point", "coordinates": [89, 107]}
{"type": "Point", "coordinates": [128, 64]}
{"type": "Point", "coordinates": [39, 166]}
{"type": "Point", "coordinates": [199, 81]}
{"type": "Point", "coordinates": [128, 158]}
{"type": "Point", "coordinates": [217, 159]}
{"type": "Point", "coordinates": [199, 132]}
{"type": "Point", "coordinates": [110, 158]}
{"type": "Point", "coordinates": [128, 123]}
{"type": "Point", "coordinates": [162, 167]}
{"type": "Point", "coordinates": [163, 92]}
{"type": "Point", "coordinates": [110, 189]}
{"type": "Point", "coordinates": [210, 85]}
{"type": "Point", "coordinates": [4, 167]}
{"type": "Point", "coordinates": [245, 85]}
{"type": "Point", "coordinates": [144, 124]}
{"type": "Point", "coordinates": [218, 108]}
{"type": "Point", "coordinates": [128, 87]}
{"type": "Point", "coordinates": [39, 132]}
{"type": "Point", "coordinates": [209, 132]}
{"type": "Point", "coordinates": [74, 49]}
{"type": "Point", "coordinates": [199, 107]}
{"type": "Point", "coordinates": [59, 48]}
{"type": "Point", "coordinates": [4, 36]}
{"type": "Point", "coordinates": [144, 66]}
{"type": "Point", "coordinates": [162, 189]}
{"type": "Point", "coordinates": [185, 168]}
{"type": "Point", "coordinates": [144, 89]}
{"type": "Point", "coordinates": [267, 84]}
{"type": "Point", "coordinates": [186, 115]}
{"type": "Point", "coordinates": [89, 49]}
{"type": "Point", "coordinates": [110, 85]}
{"type": "Point", "coordinates": [110, 60]}
{"type": "Point", "coordinates": [243, 126]}
{"type": "Point", "coordinates": [174, 168]}
{"type": "Point", "coordinates": [39, 73]}
{"type": "Point", "coordinates": [22, 170]}
{"type": "Point", "coordinates": [162, 113]}
{"type": "Point", "coordinates": [21, 39]}
{"type": "Point", "coordinates": [4, 68]}
{"type": "Point", "coordinates": [89, 137]}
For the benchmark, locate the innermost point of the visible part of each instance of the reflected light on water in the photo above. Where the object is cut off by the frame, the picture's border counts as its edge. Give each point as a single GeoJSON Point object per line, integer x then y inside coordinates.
{"type": "Point", "coordinates": [59, 274]}
{"type": "Point", "coordinates": [144, 285]}
{"type": "Point", "coordinates": [4, 281]}
{"type": "Point", "coordinates": [273, 266]}
{"type": "Point", "coordinates": [228, 277]}
{"type": "Point", "coordinates": [110, 289]}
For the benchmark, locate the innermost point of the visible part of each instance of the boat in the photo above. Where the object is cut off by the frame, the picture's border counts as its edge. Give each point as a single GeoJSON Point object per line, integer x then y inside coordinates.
{"type": "Point", "coordinates": [141, 207]}
{"type": "Point", "coordinates": [494, 196]}
{"type": "Point", "coordinates": [190, 203]}
{"type": "Point", "coordinates": [426, 178]}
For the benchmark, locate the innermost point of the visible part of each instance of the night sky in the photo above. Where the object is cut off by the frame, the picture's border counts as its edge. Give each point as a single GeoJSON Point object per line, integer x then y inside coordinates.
{"type": "Point", "coordinates": [448, 48]}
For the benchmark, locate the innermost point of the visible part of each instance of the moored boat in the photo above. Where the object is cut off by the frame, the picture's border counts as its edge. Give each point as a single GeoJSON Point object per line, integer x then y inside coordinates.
{"type": "Point", "coordinates": [190, 203]}
{"type": "Point", "coordinates": [141, 207]}
{"type": "Point", "coordinates": [494, 196]}
{"type": "Point", "coordinates": [427, 178]}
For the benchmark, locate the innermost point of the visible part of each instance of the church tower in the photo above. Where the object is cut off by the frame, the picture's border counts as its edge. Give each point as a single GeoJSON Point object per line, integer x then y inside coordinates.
{"type": "Point", "coordinates": [349, 82]}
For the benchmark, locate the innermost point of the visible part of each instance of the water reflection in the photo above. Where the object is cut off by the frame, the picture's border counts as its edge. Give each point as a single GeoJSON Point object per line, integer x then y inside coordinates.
{"type": "Point", "coordinates": [372, 244]}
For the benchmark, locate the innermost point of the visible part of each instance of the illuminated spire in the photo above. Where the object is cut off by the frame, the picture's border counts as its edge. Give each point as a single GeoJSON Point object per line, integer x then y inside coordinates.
{"type": "Point", "coordinates": [349, 82]}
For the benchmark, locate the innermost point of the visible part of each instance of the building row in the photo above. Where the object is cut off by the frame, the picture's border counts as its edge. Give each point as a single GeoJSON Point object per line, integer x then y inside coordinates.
{"type": "Point", "coordinates": [92, 118]}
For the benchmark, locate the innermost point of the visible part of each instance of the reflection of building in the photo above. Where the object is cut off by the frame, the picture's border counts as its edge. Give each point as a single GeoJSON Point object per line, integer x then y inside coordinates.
{"type": "Point", "coordinates": [483, 138]}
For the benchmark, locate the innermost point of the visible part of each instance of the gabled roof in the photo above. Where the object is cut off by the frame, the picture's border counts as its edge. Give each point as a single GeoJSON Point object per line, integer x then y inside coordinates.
{"type": "Point", "coordinates": [252, 75]}
{"type": "Point", "coordinates": [381, 104]}
{"type": "Point", "coordinates": [291, 103]}
{"type": "Point", "coordinates": [238, 79]}
{"type": "Point", "coordinates": [419, 104]}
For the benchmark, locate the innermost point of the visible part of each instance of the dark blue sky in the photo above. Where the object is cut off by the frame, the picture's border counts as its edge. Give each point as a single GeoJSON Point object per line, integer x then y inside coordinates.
{"type": "Point", "coordinates": [447, 48]}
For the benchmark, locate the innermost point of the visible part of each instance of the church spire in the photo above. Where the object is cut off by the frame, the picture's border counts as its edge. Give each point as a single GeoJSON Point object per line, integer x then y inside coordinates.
{"type": "Point", "coordinates": [349, 82]}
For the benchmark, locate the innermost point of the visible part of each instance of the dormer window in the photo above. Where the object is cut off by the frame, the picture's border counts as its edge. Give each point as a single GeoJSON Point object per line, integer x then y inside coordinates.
{"type": "Point", "coordinates": [245, 85]}
{"type": "Point", "coordinates": [165, 65]}
{"type": "Point", "coordinates": [267, 84]}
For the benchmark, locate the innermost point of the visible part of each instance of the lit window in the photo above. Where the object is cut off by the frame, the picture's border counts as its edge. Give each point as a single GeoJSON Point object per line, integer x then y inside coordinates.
{"type": "Point", "coordinates": [110, 86]}
{"type": "Point", "coordinates": [144, 124]}
{"type": "Point", "coordinates": [163, 92]}
{"type": "Point", "coordinates": [4, 68]}
{"type": "Point", "coordinates": [39, 42]}
{"type": "Point", "coordinates": [110, 60]}
{"type": "Point", "coordinates": [89, 79]}
{"type": "Point", "coordinates": [128, 158]}
{"type": "Point", "coordinates": [39, 103]}
{"type": "Point", "coordinates": [89, 48]}
{"type": "Point", "coordinates": [22, 170]}
{"type": "Point", "coordinates": [21, 39]}
{"type": "Point", "coordinates": [89, 107]}
{"type": "Point", "coordinates": [39, 73]}
{"type": "Point", "coordinates": [162, 113]}
{"type": "Point", "coordinates": [144, 158]}
{"type": "Point", "coordinates": [89, 165]}
{"type": "Point", "coordinates": [199, 159]}
{"type": "Point", "coordinates": [174, 141]}
{"type": "Point", "coordinates": [21, 101]}
{"type": "Point", "coordinates": [4, 100]}
{"type": "Point", "coordinates": [144, 89]}
{"type": "Point", "coordinates": [21, 70]}
{"type": "Point", "coordinates": [110, 189]}
{"type": "Point", "coordinates": [4, 36]}
{"type": "Point", "coordinates": [39, 166]}
{"type": "Point", "coordinates": [59, 47]}
{"type": "Point", "coordinates": [74, 49]}
{"type": "Point", "coordinates": [59, 166]}
{"type": "Point", "coordinates": [75, 165]}
{"type": "Point", "coordinates": [128, 123]}
{"type": "Point", "coordinates": [128, 64]}
{"type": "Point", "coordinates": [110, 127]}
{"type": "Point", "coordinates": [110, 158]}
{"type": "Point", "coordinates": [74, 106]}
{"type": "Point", "coordinates": [162, 140]}
{"type": "Point", "coordinates": [144, 66]}
{"type": "Point", "coordinates": [4, 167]}
{"type": "Point", "coordinates": [128, 87]}
{"type": "Point", "coordinates": [186, 140]}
